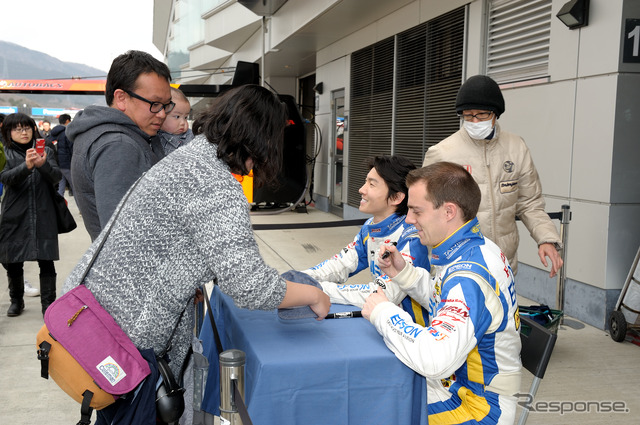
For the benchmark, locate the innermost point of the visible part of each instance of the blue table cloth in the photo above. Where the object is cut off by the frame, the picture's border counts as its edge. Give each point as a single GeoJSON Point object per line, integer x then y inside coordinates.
{"type": "Point", "coordinates": [336, 371]}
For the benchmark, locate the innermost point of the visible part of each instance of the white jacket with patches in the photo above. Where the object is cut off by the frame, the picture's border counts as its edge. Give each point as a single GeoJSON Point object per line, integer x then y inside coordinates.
{"type": "Point", "coordinates": [510, 186]}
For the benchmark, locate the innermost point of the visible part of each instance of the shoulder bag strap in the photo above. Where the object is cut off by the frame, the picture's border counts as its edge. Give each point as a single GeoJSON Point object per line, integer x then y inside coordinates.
{"type": "Point", "coordinates": [216, 335]}
{"type": "Point", "coordinates": [113, 222]}
{"type": "Point", "coordinates": [168, 346]}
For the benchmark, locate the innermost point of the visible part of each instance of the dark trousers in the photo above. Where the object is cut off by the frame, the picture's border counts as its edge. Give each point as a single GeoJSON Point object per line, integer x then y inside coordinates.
{"type": "Point", "coordinates": [66, 180]}
{"type": "Point", "coordinates": [17, 269]}
{"type": "Point", "coordinates": [15, 276]}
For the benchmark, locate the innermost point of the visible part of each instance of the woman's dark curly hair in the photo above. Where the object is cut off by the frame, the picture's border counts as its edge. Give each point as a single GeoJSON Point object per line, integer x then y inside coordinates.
{"type": "Point", "coordinates": [247, 122]}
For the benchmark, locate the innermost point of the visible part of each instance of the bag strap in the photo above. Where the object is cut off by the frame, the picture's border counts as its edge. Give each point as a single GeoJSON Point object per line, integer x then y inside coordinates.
{"type": "Point", "coordinates": [114, 217]}
{"type": "Point", "coordinates": [168, 346]}
{"type": "Point", "coordinates": [216, 335]}
{"type": "Point", "coordinates": [43, 355]}
{"type": "Point", "coordinates": [85, 408]}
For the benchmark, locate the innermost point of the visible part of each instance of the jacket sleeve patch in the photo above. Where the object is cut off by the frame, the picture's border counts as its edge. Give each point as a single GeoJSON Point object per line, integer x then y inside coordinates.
{"type": "Point", "coordinates": [508, 186]}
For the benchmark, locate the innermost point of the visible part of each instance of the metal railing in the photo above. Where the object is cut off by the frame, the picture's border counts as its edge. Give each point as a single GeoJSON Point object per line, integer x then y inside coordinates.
{"type": "Point", "coordinates": [565, 217]}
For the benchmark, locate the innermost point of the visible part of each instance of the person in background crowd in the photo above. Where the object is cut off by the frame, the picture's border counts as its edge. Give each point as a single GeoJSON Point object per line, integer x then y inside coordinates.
{"type": "Point", "coordinates": [2, 117]}
{"type": "Point", "coordinates": [113, 145]}
{"type": "Point", "coordinates": [502, 165]}
{"type": "Point", "coordinates": [29, 290]}
{"type": "Point", "coordinates": [45, 133]}
{"type": "Point", "coordinates": [175, 131]}
{"type": "Point", "coordinates": [470, 352]}
{"type": "Point", "coordinates": [46, 130]}
{"type": "Point", "coordinates": [186, 223]}
{"type": "Point", "coordinates": [384, 196]}
{"type": "Point", "coordinates": [28, 226]}
{"type": "Point", "coordinates": [3, 158]}
{"type": "Point", "coordinates": [65, 152]}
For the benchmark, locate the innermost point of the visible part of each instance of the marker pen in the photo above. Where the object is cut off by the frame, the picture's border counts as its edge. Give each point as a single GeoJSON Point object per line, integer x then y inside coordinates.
{"type": "Point", "coordinates": [388, 253]}
{"type": "Point", "coordinates": [344, 315]}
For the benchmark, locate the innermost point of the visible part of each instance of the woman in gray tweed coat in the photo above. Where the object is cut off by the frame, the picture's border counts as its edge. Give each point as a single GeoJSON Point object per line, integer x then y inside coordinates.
{"type": "Point", "coordinates": [187, 222]}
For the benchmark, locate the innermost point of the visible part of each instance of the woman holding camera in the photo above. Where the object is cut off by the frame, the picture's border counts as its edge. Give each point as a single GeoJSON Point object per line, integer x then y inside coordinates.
{"type": "Point", "coordinates": [28, 227]}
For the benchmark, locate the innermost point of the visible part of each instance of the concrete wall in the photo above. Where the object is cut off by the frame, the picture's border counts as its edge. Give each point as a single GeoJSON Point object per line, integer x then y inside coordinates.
{"type": "Point", "coordinates": [584, 142]}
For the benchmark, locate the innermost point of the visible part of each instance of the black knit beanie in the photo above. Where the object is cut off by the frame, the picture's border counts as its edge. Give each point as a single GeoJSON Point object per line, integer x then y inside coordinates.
{"type": "Point", "coordinates": [480, 92]}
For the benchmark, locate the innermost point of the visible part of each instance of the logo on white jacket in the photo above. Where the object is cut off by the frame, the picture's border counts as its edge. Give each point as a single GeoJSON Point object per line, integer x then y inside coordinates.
{"type": "Point", "coordinates": [508, 166]}
{"type": "Point", "coordinates": [508, 186]}
{"type": "Point", "coordinates": [410, 330]}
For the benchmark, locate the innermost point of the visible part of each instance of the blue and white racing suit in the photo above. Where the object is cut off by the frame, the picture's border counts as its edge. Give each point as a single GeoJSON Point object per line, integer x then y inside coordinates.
{"type": "Point", "coordinates": [362, 253]}
{"type": "Point", "coordinates": [470, 352]}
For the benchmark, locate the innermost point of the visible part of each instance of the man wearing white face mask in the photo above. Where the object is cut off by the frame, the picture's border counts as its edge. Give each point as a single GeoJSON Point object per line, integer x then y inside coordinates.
{"type": "Point", "coordinates": [501, 164]}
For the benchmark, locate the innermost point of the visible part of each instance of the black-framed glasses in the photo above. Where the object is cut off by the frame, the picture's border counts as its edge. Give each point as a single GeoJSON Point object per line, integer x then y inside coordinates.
{"type": "Point", "coordinates": [154, 107]}
{"type": "Point", "coordinates": [21, 129]}
{"type": "Point", "coordinates": [482, 116]}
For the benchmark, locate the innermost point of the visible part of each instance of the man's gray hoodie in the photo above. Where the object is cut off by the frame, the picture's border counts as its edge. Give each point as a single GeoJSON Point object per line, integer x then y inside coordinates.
{"type": "Point", "coordinates": [110, 152]}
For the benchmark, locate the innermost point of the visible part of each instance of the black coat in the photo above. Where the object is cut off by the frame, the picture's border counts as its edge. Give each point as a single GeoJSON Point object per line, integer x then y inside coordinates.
{"type": "Point", "coordinates": [28, 229]}
{"type": "Point", "coordinates": [64, 147]}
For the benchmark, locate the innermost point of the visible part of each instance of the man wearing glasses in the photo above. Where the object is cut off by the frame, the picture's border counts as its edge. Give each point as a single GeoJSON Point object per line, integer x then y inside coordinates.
{"type": "Point", "coordinates": [114, 145]}
{"type": "Point", "coordinates": [501, 164]}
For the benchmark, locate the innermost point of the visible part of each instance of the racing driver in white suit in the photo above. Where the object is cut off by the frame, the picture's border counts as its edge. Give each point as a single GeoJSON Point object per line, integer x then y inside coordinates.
{"type": "Point", "coordinates": [384, 196]}
{"type": "Point", "coordinates": [470, 352]}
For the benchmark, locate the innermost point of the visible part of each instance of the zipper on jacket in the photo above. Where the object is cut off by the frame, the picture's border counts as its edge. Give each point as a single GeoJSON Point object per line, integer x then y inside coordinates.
{"type": "Point", "coordinates": [493, 200]}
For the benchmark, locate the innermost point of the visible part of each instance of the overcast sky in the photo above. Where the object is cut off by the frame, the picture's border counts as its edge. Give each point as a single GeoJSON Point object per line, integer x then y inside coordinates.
{"type": "Point", "coordinates": [90, 32]}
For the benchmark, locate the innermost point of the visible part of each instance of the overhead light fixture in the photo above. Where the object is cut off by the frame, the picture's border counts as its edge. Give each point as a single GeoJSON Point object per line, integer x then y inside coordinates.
{"type": "Point", "coordinates": [575, 14]}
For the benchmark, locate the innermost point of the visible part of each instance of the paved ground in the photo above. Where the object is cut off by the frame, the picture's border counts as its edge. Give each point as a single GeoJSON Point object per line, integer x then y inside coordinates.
{"type": "Point", "coordinates": [587, 374]}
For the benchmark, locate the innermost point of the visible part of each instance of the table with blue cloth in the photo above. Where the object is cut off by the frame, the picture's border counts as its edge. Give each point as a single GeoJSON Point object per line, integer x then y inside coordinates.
{"type": "Point", "coordinates": [337, 371]}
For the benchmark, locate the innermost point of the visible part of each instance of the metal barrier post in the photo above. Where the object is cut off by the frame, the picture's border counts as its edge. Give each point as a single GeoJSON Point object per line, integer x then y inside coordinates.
{"type": "Point", "coordinates": [231, 369]}
{"type": "Point", "coordinates": [562, 275]}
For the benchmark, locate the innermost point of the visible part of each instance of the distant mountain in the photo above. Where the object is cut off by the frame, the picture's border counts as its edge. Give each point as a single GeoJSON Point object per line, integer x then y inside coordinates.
{"type": "Point", "coordinates": [20, 63]}
{"type": "Point", "coordinates": [17, 62]}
